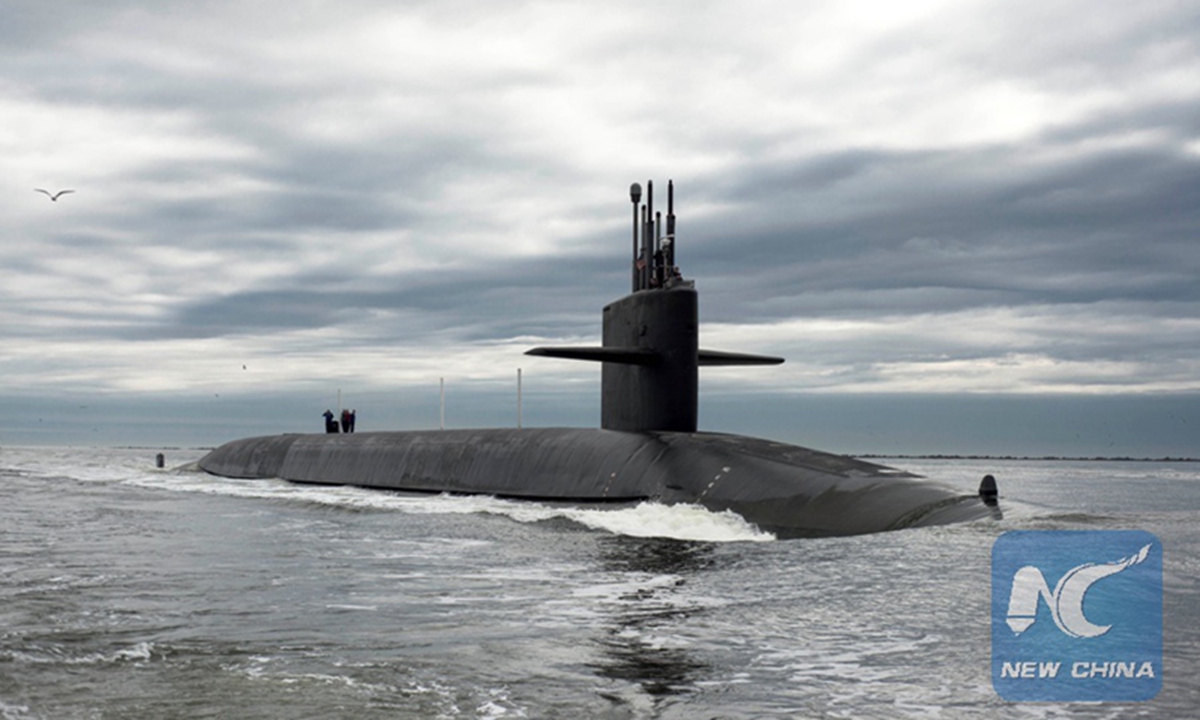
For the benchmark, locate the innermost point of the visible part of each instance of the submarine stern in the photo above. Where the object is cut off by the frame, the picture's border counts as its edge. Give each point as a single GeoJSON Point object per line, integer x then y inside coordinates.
{"type": "Point", "coordinates": [792, 491]}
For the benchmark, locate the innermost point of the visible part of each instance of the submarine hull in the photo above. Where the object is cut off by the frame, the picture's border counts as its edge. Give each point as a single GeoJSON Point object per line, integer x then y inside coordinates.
{"type": "Point", "coordinates": [647, 447]}
{"type": "Point", "coordinates": [787, 490]}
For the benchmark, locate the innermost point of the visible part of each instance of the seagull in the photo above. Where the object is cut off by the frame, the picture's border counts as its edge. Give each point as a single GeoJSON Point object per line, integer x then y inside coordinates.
{"type": "Point", "coordinates": [54, 197]}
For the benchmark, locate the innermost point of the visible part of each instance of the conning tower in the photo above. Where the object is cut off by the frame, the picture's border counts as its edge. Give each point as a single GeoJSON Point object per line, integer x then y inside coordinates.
{"type": "Point", "coordinates": [650, 344]}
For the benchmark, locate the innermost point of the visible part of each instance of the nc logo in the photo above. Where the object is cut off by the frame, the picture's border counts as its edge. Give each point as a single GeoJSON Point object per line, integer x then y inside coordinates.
{"type": "Point", "coordinates": [1105, 598]}
{"type": "Point", "coordinates": [1066, 602]}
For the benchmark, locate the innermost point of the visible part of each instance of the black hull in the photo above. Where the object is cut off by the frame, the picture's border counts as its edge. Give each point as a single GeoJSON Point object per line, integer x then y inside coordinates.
{"type": "Point", "coordinates": [784, 489]}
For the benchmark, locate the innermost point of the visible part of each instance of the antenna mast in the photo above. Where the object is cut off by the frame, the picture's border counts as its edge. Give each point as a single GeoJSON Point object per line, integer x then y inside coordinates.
{"type": "Point", "coordinates": [635, 194]}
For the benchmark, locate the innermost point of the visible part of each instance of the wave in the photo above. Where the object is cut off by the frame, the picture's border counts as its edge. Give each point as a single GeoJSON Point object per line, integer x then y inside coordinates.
{"type": "Point", "coordinates": [62, 655]}
{"type": "Point", "coordinates": [645, 519]}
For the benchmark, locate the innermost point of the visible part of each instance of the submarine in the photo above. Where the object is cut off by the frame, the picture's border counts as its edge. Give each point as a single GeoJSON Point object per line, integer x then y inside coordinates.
{"type": "Point", "coordinates": [647, 448]}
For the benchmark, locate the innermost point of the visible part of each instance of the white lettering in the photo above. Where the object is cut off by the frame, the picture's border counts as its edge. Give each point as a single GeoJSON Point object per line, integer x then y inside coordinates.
{"type": "Point", "coordinates": [1030, 669]}
{"type": "Point", "coordinates": [1111, 669]}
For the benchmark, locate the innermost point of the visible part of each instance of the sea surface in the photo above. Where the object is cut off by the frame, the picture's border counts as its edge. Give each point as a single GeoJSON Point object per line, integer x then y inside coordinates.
{"type": "Point", "coordinates": [133, 592]}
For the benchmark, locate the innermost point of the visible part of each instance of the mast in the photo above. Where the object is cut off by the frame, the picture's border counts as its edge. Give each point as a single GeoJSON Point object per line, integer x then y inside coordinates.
{"type": "Point", "coordinates": [635, 194]}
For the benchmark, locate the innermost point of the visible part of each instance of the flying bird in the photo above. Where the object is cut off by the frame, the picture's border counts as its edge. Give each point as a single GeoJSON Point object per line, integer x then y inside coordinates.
{"type": "Point", "coordinates": [55, 196]}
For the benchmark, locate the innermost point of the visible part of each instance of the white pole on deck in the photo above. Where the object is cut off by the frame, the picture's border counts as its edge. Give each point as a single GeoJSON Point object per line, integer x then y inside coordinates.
{"type": "Point", "coordinates": [518, 398]}
{"type": "Point", "coordinates": [442, 389]}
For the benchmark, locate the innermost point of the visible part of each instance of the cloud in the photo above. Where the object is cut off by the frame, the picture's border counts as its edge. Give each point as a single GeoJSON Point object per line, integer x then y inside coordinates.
{"type": "Point", "coordinates": [929, 198]}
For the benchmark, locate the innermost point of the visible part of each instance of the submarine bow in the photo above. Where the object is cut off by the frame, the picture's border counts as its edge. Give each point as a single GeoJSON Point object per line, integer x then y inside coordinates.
{"type": "Point", "coordinates": [647, 447]}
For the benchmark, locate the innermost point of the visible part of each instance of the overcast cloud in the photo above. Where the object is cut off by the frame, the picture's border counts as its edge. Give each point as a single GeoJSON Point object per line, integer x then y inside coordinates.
{"type": "Point", "coordinates": [989, 197]}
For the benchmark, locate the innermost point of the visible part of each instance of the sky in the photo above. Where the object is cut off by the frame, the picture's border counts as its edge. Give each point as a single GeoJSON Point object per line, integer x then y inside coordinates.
{"type": "Point", "coordinates": [969, 226]}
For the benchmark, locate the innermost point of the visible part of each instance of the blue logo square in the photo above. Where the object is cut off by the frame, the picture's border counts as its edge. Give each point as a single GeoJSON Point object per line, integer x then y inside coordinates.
{"type": "Point", "coordinates": [1077, 615]}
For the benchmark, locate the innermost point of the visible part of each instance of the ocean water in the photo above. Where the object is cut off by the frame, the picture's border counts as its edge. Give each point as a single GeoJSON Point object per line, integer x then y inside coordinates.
{"type": "Point", "coordinates": [132, 592]}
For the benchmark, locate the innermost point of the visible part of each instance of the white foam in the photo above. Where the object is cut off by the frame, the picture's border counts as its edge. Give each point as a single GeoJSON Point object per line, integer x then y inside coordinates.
{"type": "Point", "coordinates": [14, 712]}
{"type": "Point", "coordinates": [141, 652]}
{"type": "Point", "coordinates": [646, 519]}
{"type": "Point", "coordinates": [681, 522]}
